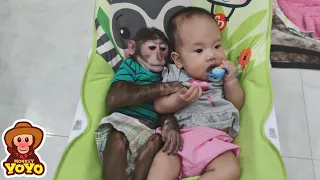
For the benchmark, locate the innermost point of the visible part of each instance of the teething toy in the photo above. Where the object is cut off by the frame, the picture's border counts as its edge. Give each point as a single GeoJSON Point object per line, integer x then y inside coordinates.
{"type": "Point", "coordinates": [216, 74]}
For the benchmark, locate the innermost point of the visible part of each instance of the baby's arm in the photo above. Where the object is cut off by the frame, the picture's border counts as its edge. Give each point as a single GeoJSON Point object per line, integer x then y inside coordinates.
{"type": "Point", "coordinates": [176, 101]}
{"type": "Point", "coordinates": [168, 104]}
{"type": "Point", "coordinates": [234, 93]}
{"type": "Point", "coordinates": [232, 89]}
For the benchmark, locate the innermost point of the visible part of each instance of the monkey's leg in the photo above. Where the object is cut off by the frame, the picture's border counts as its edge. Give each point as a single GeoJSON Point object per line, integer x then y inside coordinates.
{"type": "Point", "coordinates": [145, 157]}
{"type": "Point", "coordinates": [115, 156]}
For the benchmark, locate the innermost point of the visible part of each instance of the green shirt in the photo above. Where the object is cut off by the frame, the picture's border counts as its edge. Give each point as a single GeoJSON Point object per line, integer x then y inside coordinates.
{"type": "Point", "coordinates": [133, 72]}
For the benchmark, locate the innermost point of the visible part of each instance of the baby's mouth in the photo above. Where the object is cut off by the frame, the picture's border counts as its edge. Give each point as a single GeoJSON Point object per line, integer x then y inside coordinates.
{"type": "Point", "coordinates": [210, 68]}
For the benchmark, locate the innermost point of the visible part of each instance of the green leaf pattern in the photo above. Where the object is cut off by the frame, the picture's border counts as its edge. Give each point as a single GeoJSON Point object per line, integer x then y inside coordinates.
{"type": "Point", "coordinates": [246, 27]}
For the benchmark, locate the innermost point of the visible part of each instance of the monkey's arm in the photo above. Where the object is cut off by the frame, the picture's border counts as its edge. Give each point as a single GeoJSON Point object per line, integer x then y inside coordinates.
{"type": "Point", "coordinates": [124, 93]}
{"type": "Point", "coordinates": [169, 104]}
{"type": "Point", "coordinates": [166, 118]}
{"type": "Point", "coordinates": [170, 132]}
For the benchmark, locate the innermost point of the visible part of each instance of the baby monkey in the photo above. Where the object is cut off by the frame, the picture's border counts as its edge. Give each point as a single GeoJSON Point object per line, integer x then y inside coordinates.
{"type": "Point", "coordinates": [126, 139]}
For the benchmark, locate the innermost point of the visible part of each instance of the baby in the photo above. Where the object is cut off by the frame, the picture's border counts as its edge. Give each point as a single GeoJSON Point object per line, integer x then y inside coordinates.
{"type": "Point", "coordinates": [207, 112]}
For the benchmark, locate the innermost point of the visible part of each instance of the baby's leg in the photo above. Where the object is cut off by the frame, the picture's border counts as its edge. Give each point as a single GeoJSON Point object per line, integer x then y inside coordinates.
{"type": "Point", "coordinates": [165, 167]}
{"type": "Point", "coordinates": [223, 167]}
{"type": "Point", "coordinates": [146, 155]}
{"type": "Point", "coordinates": [115, 156]}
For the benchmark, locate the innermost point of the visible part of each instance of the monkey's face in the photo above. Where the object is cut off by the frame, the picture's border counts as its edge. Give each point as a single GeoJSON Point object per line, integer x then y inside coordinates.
{"type": "Point", "coordinates": [153, 55]}
{"type": "Point", "coordinates": [23, 142]}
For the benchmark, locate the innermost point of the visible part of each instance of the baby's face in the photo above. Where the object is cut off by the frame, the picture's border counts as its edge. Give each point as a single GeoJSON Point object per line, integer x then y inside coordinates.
{"type": "Point", "coordinates": [200, 47]}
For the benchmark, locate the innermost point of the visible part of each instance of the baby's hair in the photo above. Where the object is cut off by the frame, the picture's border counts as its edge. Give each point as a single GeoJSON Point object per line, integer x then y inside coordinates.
{"type": "Point", "coordinates": [184, 13]}
{"type": "Point", "coordinates": [148, 33]}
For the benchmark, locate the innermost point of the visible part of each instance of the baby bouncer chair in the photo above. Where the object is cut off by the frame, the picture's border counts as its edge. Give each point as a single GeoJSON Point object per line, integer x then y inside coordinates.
{"type": "Point", "coordinates": [245, 26]}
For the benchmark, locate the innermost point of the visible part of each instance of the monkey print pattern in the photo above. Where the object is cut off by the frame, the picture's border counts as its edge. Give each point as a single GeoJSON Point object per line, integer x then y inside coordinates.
{"type": "Point", "coordinates": [106, 49]}
{"type": "Point", "coordinates": [127, 17]}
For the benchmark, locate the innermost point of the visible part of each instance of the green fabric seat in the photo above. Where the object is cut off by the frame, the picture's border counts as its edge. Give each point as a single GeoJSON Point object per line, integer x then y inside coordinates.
{"type": "Point", "coordinates": [248, 28]}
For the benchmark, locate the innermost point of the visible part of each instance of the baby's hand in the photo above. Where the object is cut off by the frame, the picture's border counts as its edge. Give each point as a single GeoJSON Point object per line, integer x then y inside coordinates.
{"type": "Point", "coordinates": [232, 70]}
{"type": "Point", "coordinates": [190, 95]}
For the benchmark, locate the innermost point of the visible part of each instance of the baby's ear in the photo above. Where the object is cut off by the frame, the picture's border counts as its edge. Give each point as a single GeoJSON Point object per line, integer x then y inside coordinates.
{"type": "Point", "coordinates": [176, 59]}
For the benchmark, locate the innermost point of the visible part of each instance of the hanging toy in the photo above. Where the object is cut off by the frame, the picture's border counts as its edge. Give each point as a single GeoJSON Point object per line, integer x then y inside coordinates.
{"type": "Point", "coordinates": [244, 58]}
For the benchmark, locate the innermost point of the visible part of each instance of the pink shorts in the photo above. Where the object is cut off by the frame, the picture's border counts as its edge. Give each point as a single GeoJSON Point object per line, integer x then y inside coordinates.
{"type": "Point", "coordinates": [202, 145]}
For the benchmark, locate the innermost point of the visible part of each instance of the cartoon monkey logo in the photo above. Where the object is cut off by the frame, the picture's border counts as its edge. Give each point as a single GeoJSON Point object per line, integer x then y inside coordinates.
{"type": "Point", "coordinates": [22, 141]}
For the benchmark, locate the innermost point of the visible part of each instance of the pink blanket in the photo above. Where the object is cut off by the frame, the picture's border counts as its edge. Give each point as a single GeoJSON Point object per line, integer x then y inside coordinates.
{"type": "Point", "coordinates": [305, 14]}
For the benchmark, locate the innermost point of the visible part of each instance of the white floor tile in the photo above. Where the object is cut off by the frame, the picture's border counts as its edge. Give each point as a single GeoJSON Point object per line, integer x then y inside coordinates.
{"type": "Point", "coordinates": [290, 112]}
{"type": "Point", "coordinates": [43, 54]}
{"type": "Point", "coordinates": [316, 167]}
{"type": "Point", "coordinates": [50, 153]}
{"type": "Point", "coordinates": [299, 169]}
{"type": "Point", "coordinates": [311, 86]}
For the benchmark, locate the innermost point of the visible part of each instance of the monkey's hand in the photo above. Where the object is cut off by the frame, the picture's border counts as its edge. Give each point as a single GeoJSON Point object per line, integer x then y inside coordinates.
{"type": "Point", "coordinates": [124, 93]}
{"type": "Point", "coordinates": [170, 132]}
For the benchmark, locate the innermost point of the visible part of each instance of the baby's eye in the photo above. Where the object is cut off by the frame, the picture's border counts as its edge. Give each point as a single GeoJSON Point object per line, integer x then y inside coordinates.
{"type": "Point", "coordinates": [152, 48]}
{"type": "Point", "coordinates": [217, 46]}
{"type": "Point", "coordinates": [198, 51]}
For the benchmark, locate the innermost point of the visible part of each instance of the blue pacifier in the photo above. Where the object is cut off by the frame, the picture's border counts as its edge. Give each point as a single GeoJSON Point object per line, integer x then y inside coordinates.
{"type": "Point", "coordinates": [217, 74]}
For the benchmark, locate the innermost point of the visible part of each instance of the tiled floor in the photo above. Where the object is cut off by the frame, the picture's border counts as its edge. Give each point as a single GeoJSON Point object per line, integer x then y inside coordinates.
{"type": "Point", "coordinates": [43, 49]}
{"type": "Point", "coordinates": [297, 101]}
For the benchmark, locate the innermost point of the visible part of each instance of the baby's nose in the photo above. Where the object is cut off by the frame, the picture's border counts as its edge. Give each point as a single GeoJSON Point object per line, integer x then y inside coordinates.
{"type": "Point", "coordinates": [211, 58]}
{"type": "Point", "coordinates": [211, 55]}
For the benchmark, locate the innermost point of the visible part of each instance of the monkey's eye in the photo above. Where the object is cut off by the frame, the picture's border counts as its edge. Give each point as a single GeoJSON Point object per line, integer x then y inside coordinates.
{"type": "Point", "coordinates": [19, 139]}
{"type": "Point", "coordinates": [151, 45]}
{"type": "Point", "coordinates": [163, 47]}
{"type": "Point", "coordinates": [26, 139]}
{"type": "Point", "coordinates": [152, 48]}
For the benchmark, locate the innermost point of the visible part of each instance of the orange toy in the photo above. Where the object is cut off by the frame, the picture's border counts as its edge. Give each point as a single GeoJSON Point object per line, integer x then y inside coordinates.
{"type": "Point", "coordinates": [244, 58]}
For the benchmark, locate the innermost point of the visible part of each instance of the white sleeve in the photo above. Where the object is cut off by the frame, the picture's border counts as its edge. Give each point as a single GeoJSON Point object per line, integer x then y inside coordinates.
{"type": "Point", "coordinates": [169, 73]}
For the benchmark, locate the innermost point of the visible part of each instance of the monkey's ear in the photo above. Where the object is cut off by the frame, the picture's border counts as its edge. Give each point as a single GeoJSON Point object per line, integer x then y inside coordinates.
{"type": "Point", "coordinates": [131, 49]}
{"type": "Point", "coordinates": [176, 59]}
